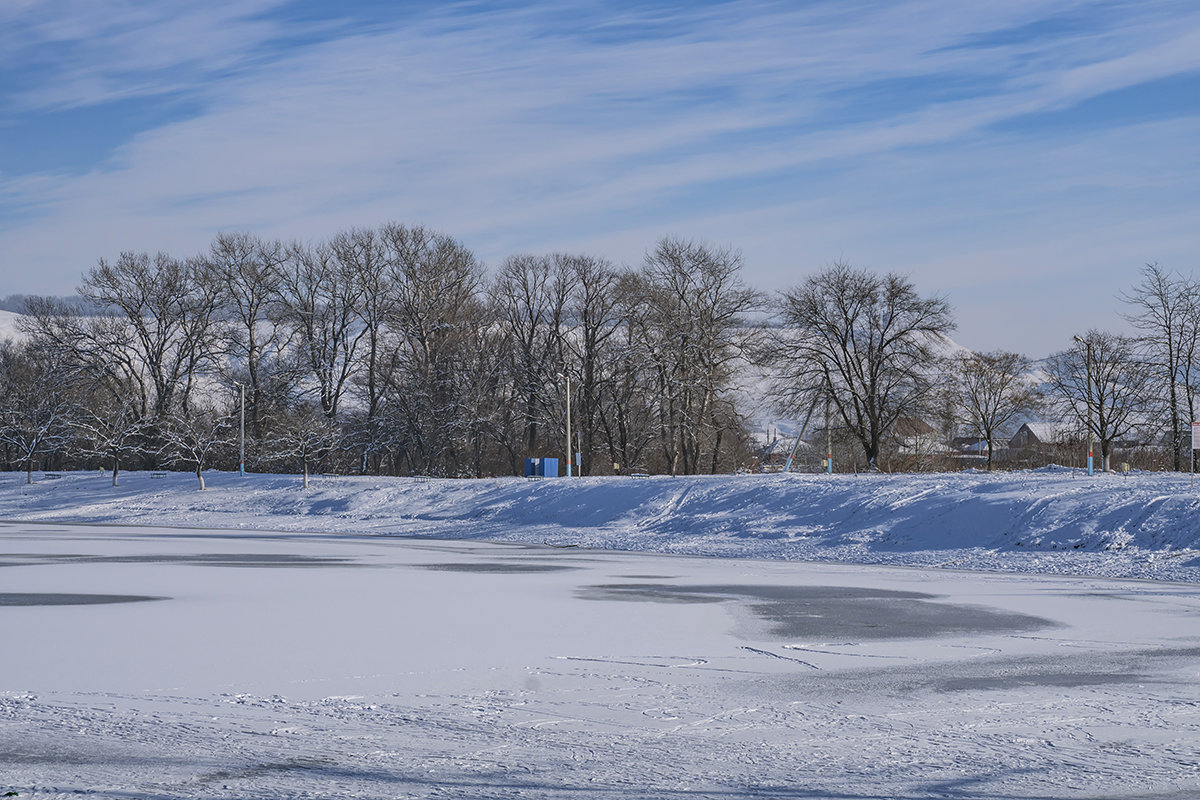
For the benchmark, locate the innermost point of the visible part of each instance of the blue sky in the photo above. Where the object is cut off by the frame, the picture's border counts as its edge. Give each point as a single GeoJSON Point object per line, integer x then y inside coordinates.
{"type": "Point", "coordinates": [1023, 157]}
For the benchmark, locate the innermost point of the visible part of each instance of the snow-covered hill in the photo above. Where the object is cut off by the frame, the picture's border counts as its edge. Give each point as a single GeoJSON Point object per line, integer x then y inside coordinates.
{"type": "Point", "coordinates": [8, 326]}
{"type": "Point", "coordinates": [1053, 521]}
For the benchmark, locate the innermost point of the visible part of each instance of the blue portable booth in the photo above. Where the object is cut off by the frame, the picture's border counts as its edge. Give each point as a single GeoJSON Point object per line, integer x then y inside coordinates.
{"type": "Point", "coordinates": [541, 468]}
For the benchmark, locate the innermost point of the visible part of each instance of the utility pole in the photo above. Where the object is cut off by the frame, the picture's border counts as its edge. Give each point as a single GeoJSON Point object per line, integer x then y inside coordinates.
{"type": "Point", "coordinates": [568, 379]}
{"type": "Point", "coordinates": [828, 440]}
{"type": "Point", "coordinates": [1088, 346]}
{"type": "Point", "coordinates": [787, 467]}
{"type": "Point", "coordinates": [242, 433]}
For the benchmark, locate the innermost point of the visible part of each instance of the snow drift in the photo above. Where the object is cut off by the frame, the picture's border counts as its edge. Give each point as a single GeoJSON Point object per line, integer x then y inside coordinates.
{"type": "Point", "coordinates": [1056, 520]}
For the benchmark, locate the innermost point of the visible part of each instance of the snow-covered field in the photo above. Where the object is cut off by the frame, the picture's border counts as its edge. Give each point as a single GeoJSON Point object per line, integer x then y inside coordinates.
{"type": "Point", "coordinates": [1144, 525]}
{"type": "Point", "coordinates": [283, 647]}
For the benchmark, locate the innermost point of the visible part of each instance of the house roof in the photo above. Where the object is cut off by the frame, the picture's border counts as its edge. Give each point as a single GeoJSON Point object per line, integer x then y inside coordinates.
{"type": "Point", "coordinates": [912, 426]}
{"type": "Point", "coordinates": [1045, 432]}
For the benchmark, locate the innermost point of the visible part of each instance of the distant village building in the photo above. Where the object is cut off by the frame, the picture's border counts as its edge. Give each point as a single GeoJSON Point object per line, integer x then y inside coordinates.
{"type": "Point", "coordinates": [916, 436]}
{"type": "Point", "coordinates": [1036, 444]}
{"type": "Point", "coordinates": [973, 450]}
{"type": "Point", "coordinates": [1039, 436]}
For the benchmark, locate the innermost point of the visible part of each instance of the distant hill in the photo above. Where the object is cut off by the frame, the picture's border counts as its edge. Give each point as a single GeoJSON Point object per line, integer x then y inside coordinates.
{"type": "Point", "coordinates": [16, 302]}
{"type": "Point", "coordinates": [8, 325]}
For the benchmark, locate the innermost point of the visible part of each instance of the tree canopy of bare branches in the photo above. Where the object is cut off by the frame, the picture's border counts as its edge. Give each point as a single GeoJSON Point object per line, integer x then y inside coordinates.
{"type": "Point", "coordinates": [688, 311]}
{"type": "Point", "coordinates": [1165, 310]}
{"type": "Point", "coordinates": [158, 329]}
{"type": "Point", "coordinates": [1104, 384]}
{"type": "Point", "coordinates": [35, 403]}
{"type": "Point", "coordinates": [437, 305]}
{"type": "Point", "coordinates": [993, 391]}
{"type": "Point", "coordinates": [248, 273]}
{"type": "Point", "coordinates": [867, 341]}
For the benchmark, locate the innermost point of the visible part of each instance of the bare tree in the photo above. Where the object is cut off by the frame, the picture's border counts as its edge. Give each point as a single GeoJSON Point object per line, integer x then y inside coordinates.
{"type": "Point", "coordinates": [108, 425]}
{"type": "Point", "coordinates": [362, 252]}
{"type": "Point", "coordinates": [994, 392]}
{"type": "Point", "coordinates": [320, 296]}
{"type": "Point", "coordinates": [158, 324]}
{"type": "Point", "coordinates": [595, 321]}
{"type": "Point", "coordinates": [1165, 309]}
{"type": "Point", "coordinates": [868, 341]}
{"type": "Point", "coordinates": [627, 391]}
{"type": "Point", "coordinates": [305, 434]}
{"type": "Point", "coordinates": [97, 348]}
{"type": "Point", "coordinates": [193, 438]}
{"type": "Point", "coordinates": [437, 305]}
{"type": "Point", "coordinates": [35, 403]}
{"type": "Point", "coordinates": [247, 272]}
{"type": "Point", "coordinates": [480, 380]}
{"type": "Point", "coordinates": [1103, 383]}
{"type": "Point", "coordinates": [689, 304]}
{"type": "Point", "coordinates": [529, 299]}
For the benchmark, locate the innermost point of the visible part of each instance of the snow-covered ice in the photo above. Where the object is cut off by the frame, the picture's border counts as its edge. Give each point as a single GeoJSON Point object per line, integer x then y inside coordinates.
{"type": "Point", "coordinates": [284, 665]}
{"type": "Point", "coordinates": [159, 662]}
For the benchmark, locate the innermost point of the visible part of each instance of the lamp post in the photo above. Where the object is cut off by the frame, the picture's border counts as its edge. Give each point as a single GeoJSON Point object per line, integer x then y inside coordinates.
{"type": "Point", "coordinates": [567, 376]}
{"type": "Point", "coordinates": [242, 432]}
{"type": "Point", "coordinates": [828, 440]}
{"type": "Point", "coordinates": [1088, 347]}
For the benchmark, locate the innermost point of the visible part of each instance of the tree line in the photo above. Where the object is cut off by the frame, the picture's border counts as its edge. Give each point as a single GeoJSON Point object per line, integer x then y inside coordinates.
{"type": "Point", "coordinates": [876, 353]}
{"type": "Point", "coordinates": [392, 350]}
{"type": "Point", "coordinates": [386, 350]}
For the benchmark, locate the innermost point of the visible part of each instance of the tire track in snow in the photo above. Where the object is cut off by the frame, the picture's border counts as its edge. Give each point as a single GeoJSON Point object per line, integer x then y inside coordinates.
{"type": "Point", "coordinates": [782, 658]}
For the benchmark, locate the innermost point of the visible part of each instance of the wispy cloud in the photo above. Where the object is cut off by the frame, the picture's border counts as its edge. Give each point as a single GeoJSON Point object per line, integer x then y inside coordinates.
{"type": "Point", "coordinates": [525, 128]}
{"type": "Point", "coordinates": [89, 53]}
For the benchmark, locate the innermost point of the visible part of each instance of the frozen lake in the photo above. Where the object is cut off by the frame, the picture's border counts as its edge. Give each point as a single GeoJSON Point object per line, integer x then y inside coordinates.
{"type": "Point", "coordinates": [154, 663]}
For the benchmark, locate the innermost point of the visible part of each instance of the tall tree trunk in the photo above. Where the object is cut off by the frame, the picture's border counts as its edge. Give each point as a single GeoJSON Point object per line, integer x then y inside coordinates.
{"type": "Point", "coordinates": [716, 451]}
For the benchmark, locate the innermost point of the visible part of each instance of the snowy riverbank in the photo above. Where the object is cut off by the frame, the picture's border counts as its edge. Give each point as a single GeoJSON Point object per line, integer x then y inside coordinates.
{"type": "Point", "coordinates": [1143, 525]}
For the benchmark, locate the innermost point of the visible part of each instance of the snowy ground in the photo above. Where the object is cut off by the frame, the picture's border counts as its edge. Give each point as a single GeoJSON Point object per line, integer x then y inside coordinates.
{"type": "Point", "coordinates": [156, 663]}
{"type": "Point", "coordinates": [1145, 525]}
{"type": "Point", "coordinates": [375, 645]}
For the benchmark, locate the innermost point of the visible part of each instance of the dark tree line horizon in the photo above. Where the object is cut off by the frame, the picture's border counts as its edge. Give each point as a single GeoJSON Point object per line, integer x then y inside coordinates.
{"type": "Point", "coordinates": [393, 350]}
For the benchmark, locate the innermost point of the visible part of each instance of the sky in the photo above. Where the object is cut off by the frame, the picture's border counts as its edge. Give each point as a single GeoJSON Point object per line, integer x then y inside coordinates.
{"type": "Point", "coordinates": [1023, 158]}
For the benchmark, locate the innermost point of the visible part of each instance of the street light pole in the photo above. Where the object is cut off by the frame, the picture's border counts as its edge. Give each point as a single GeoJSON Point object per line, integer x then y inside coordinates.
{"type": "Point", "coordinates": [828, 440]}
{"type": "Point", "coordinates": [568, 378]}
{"type": "Point", "coordinates": [1088, 347]}
{"type": "Point", "coordinates": [242, 433]}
